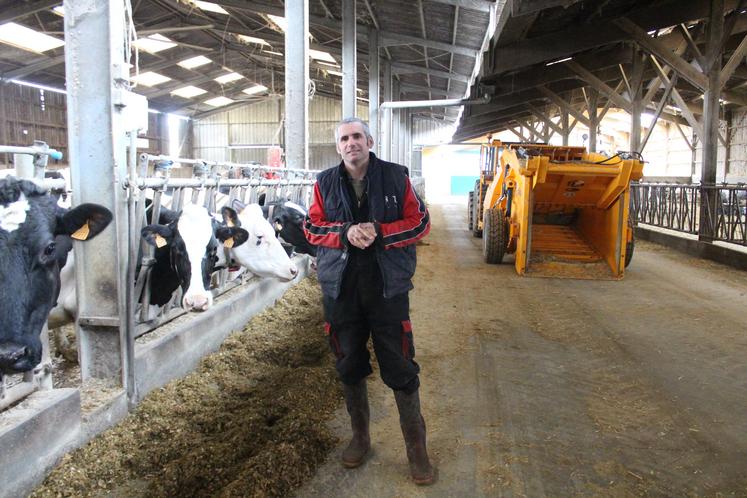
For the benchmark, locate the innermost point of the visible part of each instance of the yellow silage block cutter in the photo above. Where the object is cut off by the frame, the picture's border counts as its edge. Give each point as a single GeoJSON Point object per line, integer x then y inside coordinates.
{"type": "Point", "coordinates": [562, 211]}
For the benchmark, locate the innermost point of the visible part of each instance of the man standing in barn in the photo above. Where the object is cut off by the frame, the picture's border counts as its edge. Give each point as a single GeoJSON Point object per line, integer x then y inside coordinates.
{"type": "Point", "coordinates": [365, 219]}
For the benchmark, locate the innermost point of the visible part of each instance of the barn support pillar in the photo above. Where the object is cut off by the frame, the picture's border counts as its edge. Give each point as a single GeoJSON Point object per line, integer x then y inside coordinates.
{"type": "Point", "coordinates": [297, 84]}
{"type": "Point", "coordinates": [96, 98]}
{"type": "Point", "coordinates": [708, 195]}
{"type": "Point", "coordinates": [373, 87]}
{"type": "Point", "coordinates": [349, 60]}
{"type": "Point", "coordinates": [386, 118]}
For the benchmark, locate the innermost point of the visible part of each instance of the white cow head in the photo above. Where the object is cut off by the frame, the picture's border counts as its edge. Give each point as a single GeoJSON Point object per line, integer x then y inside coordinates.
{"type": "Point", "coordinates": [262, 254]}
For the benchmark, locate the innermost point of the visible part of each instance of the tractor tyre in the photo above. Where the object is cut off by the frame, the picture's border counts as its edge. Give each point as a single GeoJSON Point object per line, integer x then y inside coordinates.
{"type": "Point", "coordinates": [494, 236]}
{"type": "Point", "coordinates": [470, 214]}
{"type": "Point", "coordinates": [629, 247]}
{"type": "Point", "coordinates": [477, 199]}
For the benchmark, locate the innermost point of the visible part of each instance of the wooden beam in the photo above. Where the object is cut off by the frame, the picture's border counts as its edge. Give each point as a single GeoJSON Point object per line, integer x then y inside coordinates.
{"type": "Point", "coordinates": [655, 47]}
{"type": "Point", "coordinates": [524, 7]}
{"type": "Point", "coordinates": [684, 109]}
{"type": "Point", "coordinates": [579, 38]}
{"type": "Point", "coordinates": [544, 117]}
{"type": "Point", "coordinates": [734, 61]}
{"type": "Point", "coordinates": [557, 100]}
{"type": "Point", "coordinates": [599, 85]}
{"type": "Point", "coordinates": [402, 68]}
{"type": "Point", "coordinates": [657, 113]}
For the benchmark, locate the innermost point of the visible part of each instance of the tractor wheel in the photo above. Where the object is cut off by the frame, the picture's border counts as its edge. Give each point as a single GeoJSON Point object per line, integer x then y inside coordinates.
{"type": "Point", "coordinates": [629, 247]}
{"type": "Point", "coordinates": [494, 236]}
{"type": "Point", "coordinates": [477, 199]}
{"type": "Point", "coordinates": [470, 214]}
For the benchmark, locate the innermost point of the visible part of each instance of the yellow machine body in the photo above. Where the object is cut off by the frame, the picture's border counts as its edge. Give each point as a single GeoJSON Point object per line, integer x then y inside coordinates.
{"type": "Point", "coordinates": [564, 211]}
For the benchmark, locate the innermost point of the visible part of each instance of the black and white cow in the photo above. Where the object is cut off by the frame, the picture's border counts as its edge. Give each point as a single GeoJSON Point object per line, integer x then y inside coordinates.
{"type": "Point", "coordinates": [186, 254]}
{"type": "Point", "coordinates": [288, 218]}
{"type": "Point", "coordinates": [30, 260]}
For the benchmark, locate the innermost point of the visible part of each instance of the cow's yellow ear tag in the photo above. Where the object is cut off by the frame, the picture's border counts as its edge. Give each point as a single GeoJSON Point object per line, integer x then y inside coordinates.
{"type": "Point", "coordinates": [160, 241]}
{"type": "Point", "coordinates": [228, 243]}
{"type": "Point", "coordinates": [81, 233]}
{"type": "Point", "coordinates": [278, 226]}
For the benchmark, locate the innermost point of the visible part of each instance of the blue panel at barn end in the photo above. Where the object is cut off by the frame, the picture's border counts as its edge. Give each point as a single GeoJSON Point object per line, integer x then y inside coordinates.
{"type": "Point", "coordinates": [461, 185]}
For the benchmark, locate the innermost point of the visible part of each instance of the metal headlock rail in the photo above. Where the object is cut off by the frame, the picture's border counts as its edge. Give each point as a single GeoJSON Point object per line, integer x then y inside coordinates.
{"type": "Point", "coordinates": [206, 187]}
{"type": "Point", "coordinates": [679, 207]}
{"type": "Point", "coordinates": [16, 387]}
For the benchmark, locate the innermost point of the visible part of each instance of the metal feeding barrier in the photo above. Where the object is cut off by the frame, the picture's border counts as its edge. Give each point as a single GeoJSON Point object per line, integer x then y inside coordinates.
{"type": "Point", "coordinates": [13, 388]}
{"type": "Point", "coordinates": [679, 207]}
{"type": "Point", "coordinates": [213, 185]}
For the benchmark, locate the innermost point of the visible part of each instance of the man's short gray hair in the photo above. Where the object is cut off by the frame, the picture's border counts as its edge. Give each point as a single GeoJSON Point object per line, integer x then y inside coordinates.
{"type": "Point", "coordinates": [366, 129]}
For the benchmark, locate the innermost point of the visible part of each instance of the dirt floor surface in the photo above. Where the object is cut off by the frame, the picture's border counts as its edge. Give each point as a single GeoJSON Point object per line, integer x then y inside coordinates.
{"type": "Point", "coordinates": [555, 387]}
{"type": "Point", "coordinates": [530, 387]}
{"type": "Point", "coordinates": [250, 421]}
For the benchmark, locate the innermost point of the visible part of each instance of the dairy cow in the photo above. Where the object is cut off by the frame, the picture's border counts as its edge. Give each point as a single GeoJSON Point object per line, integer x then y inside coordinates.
{"type": "Point", "coordinates": [262, 254]}
{"type": "Point", "coordinates": [186, 254]}
{"type": "Point", "coordinates": [288, 218]}
{"type": "Point", "coordinates": [31, 224]}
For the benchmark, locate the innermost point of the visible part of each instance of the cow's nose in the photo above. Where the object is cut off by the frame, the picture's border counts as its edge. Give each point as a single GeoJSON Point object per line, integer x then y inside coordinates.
{"type": "Point", "coordinates": [196, 302]}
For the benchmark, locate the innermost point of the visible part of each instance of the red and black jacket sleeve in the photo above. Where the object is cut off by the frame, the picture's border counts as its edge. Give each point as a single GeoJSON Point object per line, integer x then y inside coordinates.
{"type": "Point", "coordinates": [414, 225]}
{"type": "Point", "coordinates": [318, 230]}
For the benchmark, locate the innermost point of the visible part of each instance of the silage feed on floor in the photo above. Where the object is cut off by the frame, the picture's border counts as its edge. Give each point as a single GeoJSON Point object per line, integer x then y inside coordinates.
{"type": "Point", "coordinates": [250, 421]}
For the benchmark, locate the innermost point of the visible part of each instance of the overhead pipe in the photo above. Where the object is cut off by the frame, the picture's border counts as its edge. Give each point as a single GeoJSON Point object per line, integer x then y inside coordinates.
{"type": "Point", "coordinates": [409, 104]}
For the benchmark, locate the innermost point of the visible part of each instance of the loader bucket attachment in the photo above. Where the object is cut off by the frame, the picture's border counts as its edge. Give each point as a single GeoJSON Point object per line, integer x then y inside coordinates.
{"type": "Point", "coordinates": [567, 211]}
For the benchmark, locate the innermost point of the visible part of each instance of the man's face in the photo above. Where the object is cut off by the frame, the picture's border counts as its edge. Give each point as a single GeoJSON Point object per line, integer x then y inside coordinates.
{"type": "Point", "coordinates": [353, 144]}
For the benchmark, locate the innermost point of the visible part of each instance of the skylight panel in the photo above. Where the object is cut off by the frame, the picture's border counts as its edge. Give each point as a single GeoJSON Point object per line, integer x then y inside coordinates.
{"type": "Point", "coordinates": [279, 22]}
{"type": "Point", "coordinates": [252, 39]}
{"type": "Point", "coordinates": [219, 101]}
{"type": "Point", "coordinates": [322, 56]}
{"type": "Point", "coordinates": [254, 90]}
{"type": "Point", "coordinates": [154, 43]}
{"type": "Point", "coordinates": [150, 79]}
{"type": "Point", "coordinates": [194, 62]}
{"type": "Point", "coordinates": [227, 78]}
{"type": "Point", "coordinates": [210, 7]}
{"type": "Point", "coordinates": [188, 91]}
{"type": "Point", "coordinates": [27, 38]}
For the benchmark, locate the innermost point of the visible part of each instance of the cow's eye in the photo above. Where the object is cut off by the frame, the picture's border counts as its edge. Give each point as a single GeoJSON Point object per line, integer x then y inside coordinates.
{"type": "Point", "coordinates": [50, 249]}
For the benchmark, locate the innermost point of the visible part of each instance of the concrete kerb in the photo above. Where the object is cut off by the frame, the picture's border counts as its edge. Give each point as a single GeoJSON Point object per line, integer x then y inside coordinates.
{"type": "Point", "coordinates": [689, 244]}
{"type": "Point", "coordinates": [37, 432]}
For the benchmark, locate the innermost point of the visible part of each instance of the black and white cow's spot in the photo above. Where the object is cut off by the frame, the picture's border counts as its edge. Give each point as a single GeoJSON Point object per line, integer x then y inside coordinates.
{"type": "Point", "coordinates": [31, 255]}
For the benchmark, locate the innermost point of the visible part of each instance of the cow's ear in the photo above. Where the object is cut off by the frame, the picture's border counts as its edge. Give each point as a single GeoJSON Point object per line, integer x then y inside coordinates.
{"type": "Point", "coordinates": [83, 222]}
{"type": "Point", "coordinates": [157, 235]}
{"type": "Point", "coordinates": [237, 205]}
{"type": "Point", "coordinates": [230, 218]}
{"type": "Point", "coordinates": [231, 236]}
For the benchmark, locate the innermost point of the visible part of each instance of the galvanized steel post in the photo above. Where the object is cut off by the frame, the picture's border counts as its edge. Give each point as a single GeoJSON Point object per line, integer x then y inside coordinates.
{"type": "Point", "coordinates": [386, 118]}
{"type": "Point", "coordinates": [373, 87]}
{"type": "Point", "coordinates": [96, 76]}
{"type": "Point", "coordinates": [349, 62]}
{"type": "Point", "coordinates": [297, 84]}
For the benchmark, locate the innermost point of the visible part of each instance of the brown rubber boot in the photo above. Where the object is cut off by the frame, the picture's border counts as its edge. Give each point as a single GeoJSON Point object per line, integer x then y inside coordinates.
{"type": "Point", "coordinates": [356, 401]}
{"type": "Point", "coordinates": [413, 429]}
